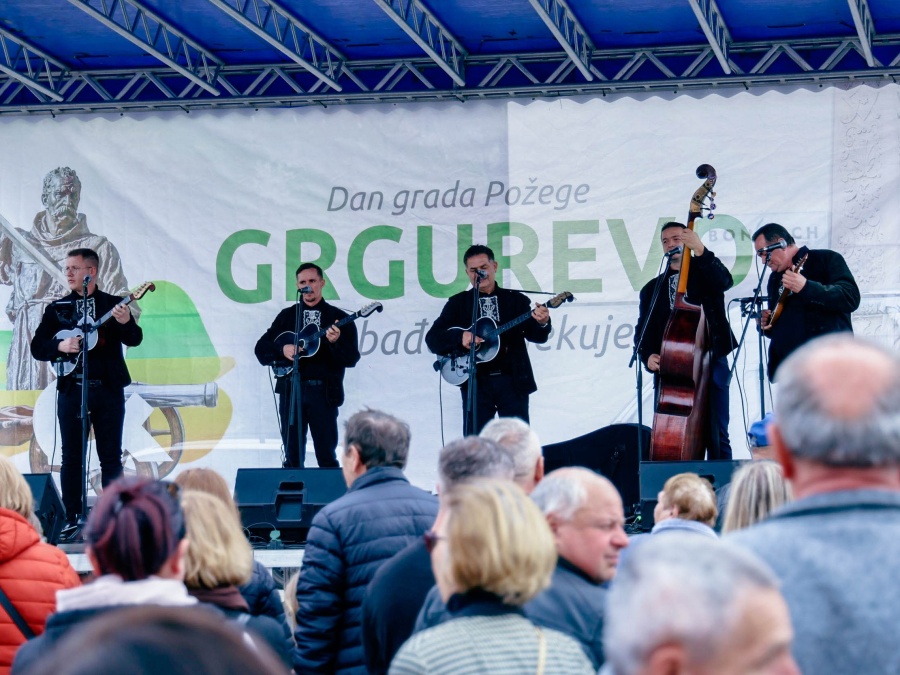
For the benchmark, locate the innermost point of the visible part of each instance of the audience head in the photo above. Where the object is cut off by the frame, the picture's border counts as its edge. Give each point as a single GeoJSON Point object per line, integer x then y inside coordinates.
{"type": "Point", "coordinates": [758, 437]}
{"type": "Point", "coordinates": [219, 554]}
{"type": "Point", "coordinates": [689, 497]}
{"type": "Point", "coordinates": [15, 494]}
{"type": "Point", "coordinates": [490, 536]}
{"type": "Point", "coordinates": [838, 405]}
{"type": "Point", "coordinates": [154, 639]}
{"type": "Point", "coordinates": [472, 457]}
{"type": "Point", "coordinates": [373, 438]}
{"type": "Point", "coordinates": [136, 530]}
{"type": "Point", "coordinates": [208, 481]}
{"type": "Point", "coordinates": [757, 489]}
{"type": "Point", "coordinates": [585, 514]}
{"type": "Point", "coordinates": [687, 604]}
{"type": "Point", "coordinates": [524, 446]}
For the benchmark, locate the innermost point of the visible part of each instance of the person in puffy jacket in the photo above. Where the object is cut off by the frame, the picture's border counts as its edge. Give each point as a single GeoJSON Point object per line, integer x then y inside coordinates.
{"type": "Point", "coordinates": [30, 571]}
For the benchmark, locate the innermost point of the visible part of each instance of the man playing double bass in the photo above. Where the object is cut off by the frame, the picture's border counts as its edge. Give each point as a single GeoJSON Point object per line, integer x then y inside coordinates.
{"type": "Point", "coordinates": [822, 292]}
{"type": "Point", "coordinates": [707, 283]}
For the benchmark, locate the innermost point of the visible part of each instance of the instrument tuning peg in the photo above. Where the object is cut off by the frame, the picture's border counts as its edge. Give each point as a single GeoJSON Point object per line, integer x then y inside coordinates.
{"type": "Point", "coordinates": [712, 206]}
{"type": "Point", "coordinates": [711, 216]}
{"type": "Point", "coordinates": [712, 194]}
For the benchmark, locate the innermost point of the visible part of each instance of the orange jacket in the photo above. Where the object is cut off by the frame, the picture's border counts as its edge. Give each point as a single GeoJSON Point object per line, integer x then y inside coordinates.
{"type": "Point", "coordinates": [30, 574]}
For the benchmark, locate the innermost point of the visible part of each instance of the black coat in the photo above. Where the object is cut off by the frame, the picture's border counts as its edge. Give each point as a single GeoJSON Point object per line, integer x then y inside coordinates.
{"type": "Point", "coordinates": [513, 355]}
{"type": "Point", "coordinates": [392, 603]}
{"type": "Point", "coordinates": [349, 539]}
{"type": "Point", "coordinates": [823, 306]}
{"type": "Point", "coordinates": [105, 361]}
{"type": "Point", "coordinates": [328, 363]}
{"type": "Point", "coordinates": [708, 280]}
{"type": "Point", "coordinates": [262, 596]}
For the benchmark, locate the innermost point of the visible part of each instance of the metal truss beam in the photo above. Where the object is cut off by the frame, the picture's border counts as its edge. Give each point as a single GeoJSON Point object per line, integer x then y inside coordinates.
{"type": "Point", "coordinates": [551, 74]}
{"type": "Point", "coordinates": [568, 31]}
{"type": "Point", "coordinates": [26, 63]}
{"type": "Point", "coordinates": [278, 27]}
{"type": "Point", "coordinates": [428, 32]}
{"type": "Point", "coordinates": [715, 29]}
{"type": "Point", "coordinates": [143, 27]}
{"type": "Point", "coordinates": [865, 28]}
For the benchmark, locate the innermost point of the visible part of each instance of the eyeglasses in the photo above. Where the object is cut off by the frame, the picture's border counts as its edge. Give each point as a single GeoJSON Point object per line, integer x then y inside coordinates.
{"type": "Point", "coordinates": [66, 270]}
{"type": "Point", "coordinates": [431, 539]}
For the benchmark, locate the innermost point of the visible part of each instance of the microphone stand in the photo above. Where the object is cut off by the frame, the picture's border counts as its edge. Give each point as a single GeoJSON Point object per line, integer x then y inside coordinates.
{"type": "Point", "coordinates": [295, 416]}
{"type": "Point", "coordinates": [751, 313]}
{"type": "Point", "coordinates": [639, 375]}
{"type": "Point", "coordinates": [86, 330]}
{"type": "Point", "coordinates": [471, 423]}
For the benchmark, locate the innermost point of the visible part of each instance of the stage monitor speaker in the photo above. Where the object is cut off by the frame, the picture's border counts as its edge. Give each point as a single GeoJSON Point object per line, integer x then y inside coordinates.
{"type": "Point", "coordinates": [48, 505]}
{"type": "Point", "coordinates": [655, 474]}
{"type": "Point", "coordinates": [611, 451]}
{"type": "Point", "coordinates": [284, 499]}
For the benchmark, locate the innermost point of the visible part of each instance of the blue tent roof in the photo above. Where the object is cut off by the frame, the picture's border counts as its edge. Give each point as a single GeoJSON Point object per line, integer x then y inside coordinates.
{"type": "Point", "coordinates": [124, 55]}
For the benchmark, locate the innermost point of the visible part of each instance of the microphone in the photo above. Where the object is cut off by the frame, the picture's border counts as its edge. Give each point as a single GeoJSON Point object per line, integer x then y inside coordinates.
{"type": "Point", "coordinates": [675, 250]}
{"type": "Point", "coordinates": [481, 274]}
{"type": "Point", "coordinates": [773, 247]}
{"type": "Point", "coordinates": [304, 290]}
{"type": "Point", "coordinates": [87, 279]}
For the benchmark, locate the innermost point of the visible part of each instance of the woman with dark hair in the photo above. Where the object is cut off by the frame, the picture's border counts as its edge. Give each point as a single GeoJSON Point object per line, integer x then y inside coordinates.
{"type": "Point", "coordinates": [136, 544]}
{"type": "Point", "coordinates": [175, 641]}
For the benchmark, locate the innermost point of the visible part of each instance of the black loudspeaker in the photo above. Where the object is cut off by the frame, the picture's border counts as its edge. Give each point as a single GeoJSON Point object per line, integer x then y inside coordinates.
{"type": "Point", "coordinates": [655, 474]}
{"type": "Point", "coordinates": [284, 499]}
{"type": "Point", "coordinates": [611, 451]}
{"type": "Point", "coordinates": [48, 505]}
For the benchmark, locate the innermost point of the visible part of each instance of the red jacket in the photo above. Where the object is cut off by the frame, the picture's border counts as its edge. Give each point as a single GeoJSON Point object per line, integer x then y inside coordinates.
{"type": "Point", "coordinates": [30, 574]}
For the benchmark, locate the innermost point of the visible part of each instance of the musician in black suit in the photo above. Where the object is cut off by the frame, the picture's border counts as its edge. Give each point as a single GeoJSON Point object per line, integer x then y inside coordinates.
{"type": "Point", "coordinates": [504, 383]}
{"type": "Point", "coordinates": [321, 375]}
{"type": "Point", "coordinates": [824, 293]}
{"type": "Point", "coordinates": [707, 282]}
{"type": "Point", "coordinates": [107, 375]}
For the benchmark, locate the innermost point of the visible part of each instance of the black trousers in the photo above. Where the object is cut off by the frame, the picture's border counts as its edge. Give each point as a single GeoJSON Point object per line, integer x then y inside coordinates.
{"type": "Point", "coordinates": [319, 418]}
{"type": "Point", "coordinates": [106, 411]}
{"type": "Point", "coordinates": [496, 394]}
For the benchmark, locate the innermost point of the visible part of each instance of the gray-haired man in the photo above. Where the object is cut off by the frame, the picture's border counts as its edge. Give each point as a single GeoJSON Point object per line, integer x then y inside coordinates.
{"type": "Point", "coordinates": [400, 586]}
{"type": "Point", "coordinates": [837, 436]}
{"type": "Point", "coordinates": [686, 604]}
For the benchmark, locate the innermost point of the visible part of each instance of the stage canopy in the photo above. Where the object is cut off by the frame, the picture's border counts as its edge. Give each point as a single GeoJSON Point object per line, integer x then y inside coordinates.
{"type": "Point", "coordinates": [84, 56]}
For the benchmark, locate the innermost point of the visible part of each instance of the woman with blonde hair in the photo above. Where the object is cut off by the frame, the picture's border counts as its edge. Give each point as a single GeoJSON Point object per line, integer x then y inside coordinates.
{"type": "Point", "coordinates": [260, 591]}
{"type": "Point", "coordinates": [218, 559]}
{"type": "Point", "coordinates": [491, 551]}
{"type": "Point", "coordinates": [757, 489]}
{"type": "Point", "coordinates": [30, 571]}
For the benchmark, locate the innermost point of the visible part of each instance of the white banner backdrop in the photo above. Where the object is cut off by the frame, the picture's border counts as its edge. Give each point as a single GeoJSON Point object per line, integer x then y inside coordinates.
{"type": "Point", "coordinates": [221, 208]}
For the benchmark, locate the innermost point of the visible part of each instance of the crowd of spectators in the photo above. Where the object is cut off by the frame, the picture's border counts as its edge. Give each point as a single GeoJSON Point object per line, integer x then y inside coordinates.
{"type": "Point", "coordinates": [505, 570]}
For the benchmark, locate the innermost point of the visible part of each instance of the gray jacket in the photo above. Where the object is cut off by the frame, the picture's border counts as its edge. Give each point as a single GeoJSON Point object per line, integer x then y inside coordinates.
{"type": "Point", "coordinates": [835, 554]}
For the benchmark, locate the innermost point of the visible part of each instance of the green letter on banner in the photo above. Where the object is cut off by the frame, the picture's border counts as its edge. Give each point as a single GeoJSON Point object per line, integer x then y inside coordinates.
{"type": "Point", "coordinates": [563, 256]}
{"type": "Point", "coordinates": [293, 256]}
{"type": "Point", "coordinates": [425, 262]}
{"type": "Point", "coordinates": [224, 259]}
{"type": "Point", "coordinates": [356, 264]}
{"type": "Point", "coordinates": [516, 263]}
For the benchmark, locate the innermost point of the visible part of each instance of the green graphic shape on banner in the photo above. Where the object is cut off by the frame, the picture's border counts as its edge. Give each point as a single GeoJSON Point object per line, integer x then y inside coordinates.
{"type": "Point", "coordinates": [176, 346]}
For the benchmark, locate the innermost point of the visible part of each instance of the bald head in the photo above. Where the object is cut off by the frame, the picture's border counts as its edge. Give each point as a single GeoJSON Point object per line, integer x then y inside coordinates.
{"type": "Point", "coordinates": [838, 403]}
{"type": "Point", "coordinates": [585, 512]}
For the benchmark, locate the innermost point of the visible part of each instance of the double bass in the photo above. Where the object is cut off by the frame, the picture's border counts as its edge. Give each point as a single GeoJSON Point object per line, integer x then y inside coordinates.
{"type": "Point", "coordinates": [680, 422]}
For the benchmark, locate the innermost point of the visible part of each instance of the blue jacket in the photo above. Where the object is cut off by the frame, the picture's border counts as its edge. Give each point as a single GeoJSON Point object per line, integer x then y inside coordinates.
{"type": "Point", "coordinates": [349, 539]}
{"type": "Point", "coordinates": [261, 594]}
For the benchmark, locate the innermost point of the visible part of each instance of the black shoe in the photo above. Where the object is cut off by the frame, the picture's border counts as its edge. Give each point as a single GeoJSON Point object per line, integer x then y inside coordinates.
{"type": "Point", "coordinates": [70, 533]}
